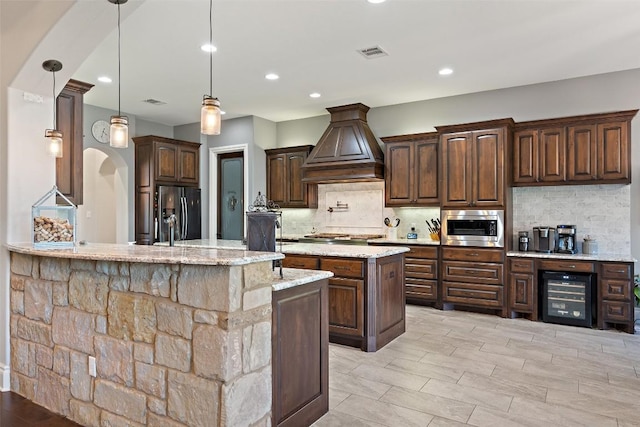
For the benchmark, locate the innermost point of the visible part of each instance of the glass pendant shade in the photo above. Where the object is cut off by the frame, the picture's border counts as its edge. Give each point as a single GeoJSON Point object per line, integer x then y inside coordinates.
{"type": "Point", "coordinates": [210, 116]}
{"type": "Point", "coordinates": [119, 132]}
{"type": "Point", "coordinates": [54, 139]}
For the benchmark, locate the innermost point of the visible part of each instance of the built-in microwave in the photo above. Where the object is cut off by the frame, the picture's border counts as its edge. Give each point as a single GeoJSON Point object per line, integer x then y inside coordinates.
{"type": "Point", "coordinates": [472, 227]}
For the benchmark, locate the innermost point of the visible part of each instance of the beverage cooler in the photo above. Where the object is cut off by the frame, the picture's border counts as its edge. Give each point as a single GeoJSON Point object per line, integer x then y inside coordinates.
{"type": "Point", "coordinates": [568, 298]}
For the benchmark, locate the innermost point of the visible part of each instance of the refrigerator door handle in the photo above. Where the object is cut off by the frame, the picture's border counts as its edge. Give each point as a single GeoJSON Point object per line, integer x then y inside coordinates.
{"type": "Point", "coordinates": [182, 218]}
{"type": "Point", "coordinates": [186, 217]}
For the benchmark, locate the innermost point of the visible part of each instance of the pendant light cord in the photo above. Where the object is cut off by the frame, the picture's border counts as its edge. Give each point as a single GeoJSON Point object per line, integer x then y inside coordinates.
{"type": "Point", "coordinates": [54, 100]}
{"type": "Point", "coordinates": [211, 48]}
{"type": "Point", "coordinates": [119, 114]}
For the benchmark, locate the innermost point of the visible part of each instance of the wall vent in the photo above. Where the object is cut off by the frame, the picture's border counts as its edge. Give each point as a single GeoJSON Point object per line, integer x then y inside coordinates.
{"type": "Point", "coordinates": [372, 52]}
{"type": "Point", "coordinates": [153, 101]}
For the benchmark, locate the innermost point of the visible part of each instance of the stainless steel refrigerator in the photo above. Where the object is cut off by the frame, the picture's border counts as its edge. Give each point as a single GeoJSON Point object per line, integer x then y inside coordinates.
{"type": "Point", "coordinates": [184, 203]}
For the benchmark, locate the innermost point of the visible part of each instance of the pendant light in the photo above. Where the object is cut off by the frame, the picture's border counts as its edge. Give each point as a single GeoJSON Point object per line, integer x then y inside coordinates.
{"type": "Point", "coordinates": [119, 129]}
{"type": "Point", "coordinates": [210, 113]}
{"type": "Point", "coordinates": [53, 136]}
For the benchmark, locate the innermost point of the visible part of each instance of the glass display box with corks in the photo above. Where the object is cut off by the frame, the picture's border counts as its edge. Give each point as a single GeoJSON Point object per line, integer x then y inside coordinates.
{"type": "Point", "coordinates": [53, 226]}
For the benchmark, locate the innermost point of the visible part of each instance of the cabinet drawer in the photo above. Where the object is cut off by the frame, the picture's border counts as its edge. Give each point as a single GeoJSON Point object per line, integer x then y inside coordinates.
{"type": "Point", "coordinates": [422, 268]}
{"type": "Point", "coordinates": [616, 289]}
{"type": "Point", "coordinates": [617, 312]}
{"type": "Point", "coordinates": [306, 262]}
{"type": "Point", "coordinates": [343, 267]}
{"type": "Point", "coordinates": [427, 289]}
{"type": "Point", "coordinates": [490, 273]}
{"type": "Point", "coordinates": [522, 265]}
{"type": "Point", "coordinates": [476, 255]}
{"type": "Point", "coordinates": [422, 252]}
{"type": "Point", "coordinates": [468, 293]}
{"type": "Point", "coordinates": [566, 265]}
{"type": "Point", "coordinates": [617, 271]}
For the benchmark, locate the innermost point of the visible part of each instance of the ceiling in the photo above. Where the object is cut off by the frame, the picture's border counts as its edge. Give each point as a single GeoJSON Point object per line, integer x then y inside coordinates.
{"type": "Point", "coordinates": [313, 45]}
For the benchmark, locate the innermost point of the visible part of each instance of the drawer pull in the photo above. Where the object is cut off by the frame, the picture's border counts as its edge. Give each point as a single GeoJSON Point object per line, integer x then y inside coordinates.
{"type": "Point", "coordinates": [474, 254]}
{"type": "Point", "coordinates": [338, 267]}
{"type": "Point", "coordinates": [620, 271]}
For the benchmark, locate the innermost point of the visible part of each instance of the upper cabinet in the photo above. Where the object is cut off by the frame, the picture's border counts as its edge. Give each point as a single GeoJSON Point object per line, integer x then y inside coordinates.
{"type": "Point", "coordinates": [592, 149]}
{"type": "Point", "coordinates": [175, 162]}
{"type": "Point", "coordinates": [160, 161]}
{"type": "Point", "coordinates": [474, 164]}
{"type": "Point", "coordinates": [69, 105]}
{"type": "Point", "coordinates": [284, 178]}
{"type": "Point", "coordinates": [411, 170]}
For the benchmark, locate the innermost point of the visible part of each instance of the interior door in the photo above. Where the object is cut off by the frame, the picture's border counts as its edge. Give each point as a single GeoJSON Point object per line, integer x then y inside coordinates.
{"type": "Point", "coordinates": [231, 196]}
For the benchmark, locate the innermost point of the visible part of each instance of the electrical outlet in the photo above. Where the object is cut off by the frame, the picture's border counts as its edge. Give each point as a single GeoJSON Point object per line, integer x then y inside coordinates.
{"type": "Point", "coordinates": [92, 366]}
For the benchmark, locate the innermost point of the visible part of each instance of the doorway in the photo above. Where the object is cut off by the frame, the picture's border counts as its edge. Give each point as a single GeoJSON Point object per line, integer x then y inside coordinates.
{"type": "Point", "coordinates": [230, 200]}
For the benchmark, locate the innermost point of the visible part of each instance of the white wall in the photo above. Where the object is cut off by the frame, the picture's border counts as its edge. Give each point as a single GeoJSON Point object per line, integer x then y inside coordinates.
{"type": "Point", "coordinates": [96, 218]}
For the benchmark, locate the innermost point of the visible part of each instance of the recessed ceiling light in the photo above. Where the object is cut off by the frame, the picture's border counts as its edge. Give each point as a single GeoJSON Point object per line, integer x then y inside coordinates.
{"type": "Point", "coordinates": [104, 79]}
{"type": "Point", "coordinates": [223, 112]}
{"type": "Point", "coordinates": [445, 71]}
{"type": "Point", "coordinates": [376, 1]}
{"type": "Point", "coordinates": [272, 76]}
{"type": "Point", "coordinates": [314, 95]}
{"type": "Point", "coordinates": [208, 48]}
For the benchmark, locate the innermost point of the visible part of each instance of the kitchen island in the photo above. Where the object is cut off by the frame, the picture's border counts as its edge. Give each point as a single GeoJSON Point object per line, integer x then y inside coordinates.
{"type": "Point", "coordinates": [149, 335]}
{"type": "Point", "coordinates": [366, 294]}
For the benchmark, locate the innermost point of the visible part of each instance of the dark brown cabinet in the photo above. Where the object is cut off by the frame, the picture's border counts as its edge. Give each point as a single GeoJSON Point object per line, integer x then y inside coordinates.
{"type": "Point", "coordinates": [160, 161]}
{"type": "Point", "coordinates": [539, 155]}
{"type": "Point", "coordinates": [284, 178]}
{"type": "Point", "coordinates": [473, 164]}
{"type": "Point", "coordinates": [523, 286]}
{"type": "Point", "coordinates": [69, 106]}
{"type": "Point", "coordinates": [300, 363]}
{"type": "Point", "coordinates": [366, 298]}
{"type": "Point", "coordinates": [411, 170]}
{"type": "Point", "coordinates": [473, 277]}
{"type": "Point", "coordinates": [615, 296]}
{"type": "Point", "coordinates": [593, 149]}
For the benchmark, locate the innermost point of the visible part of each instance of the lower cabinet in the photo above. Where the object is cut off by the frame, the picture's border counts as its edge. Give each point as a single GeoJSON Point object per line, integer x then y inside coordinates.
{"type": "Point", "coordinates": [300, 358]}
{"type": "Point", "coordinates": [523, 286]}
{"type": "Point", "coordinates": [366, 297]}
{"type": "Point", "coordinates": [346, 310]}
{"type": "Point", "coordinates": [615, 296]}
{"type": "Point", "coordinates": [473, 277]}
{"type": "Point", "coordinates": [421, 274]}
{"type": "Point", "coordinates": [614, 300]}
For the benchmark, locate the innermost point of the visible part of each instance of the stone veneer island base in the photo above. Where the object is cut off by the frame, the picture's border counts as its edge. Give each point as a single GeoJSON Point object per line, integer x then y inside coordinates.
{"type": "Point", "coordinates": [180, 336]}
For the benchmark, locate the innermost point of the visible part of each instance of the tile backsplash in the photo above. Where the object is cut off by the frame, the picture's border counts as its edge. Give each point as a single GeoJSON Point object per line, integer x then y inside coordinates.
{"type": "Point", "coordinates": [365, 214]}
{"type": "Point", "coordinates": [600, 211]}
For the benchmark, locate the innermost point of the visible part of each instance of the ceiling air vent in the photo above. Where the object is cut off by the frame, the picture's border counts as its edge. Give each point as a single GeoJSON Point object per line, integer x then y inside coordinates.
{"type": "Point", "coordinates": [372, 52]}
{"type": "Point", "coordinates": [153, 101]}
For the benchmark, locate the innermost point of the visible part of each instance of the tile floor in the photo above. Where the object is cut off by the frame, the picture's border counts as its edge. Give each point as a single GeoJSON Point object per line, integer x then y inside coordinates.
{"type": "Point", "coordinates": [453, 368]}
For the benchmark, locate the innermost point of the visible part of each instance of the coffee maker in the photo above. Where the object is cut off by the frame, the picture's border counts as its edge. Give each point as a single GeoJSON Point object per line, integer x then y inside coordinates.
{"type": "Point", "coordinates": [566, 239]}
{"type": "Point", "coordinates": [544, 239]}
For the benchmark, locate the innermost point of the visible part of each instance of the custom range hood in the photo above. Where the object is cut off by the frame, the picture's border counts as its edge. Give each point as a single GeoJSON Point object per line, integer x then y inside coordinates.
{"type": "Point", "coordinates": [347, 151]}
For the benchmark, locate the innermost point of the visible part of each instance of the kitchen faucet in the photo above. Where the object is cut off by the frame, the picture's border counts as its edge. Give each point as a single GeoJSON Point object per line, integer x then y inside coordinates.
{"type": "Point", "coordinates": [171, 220]}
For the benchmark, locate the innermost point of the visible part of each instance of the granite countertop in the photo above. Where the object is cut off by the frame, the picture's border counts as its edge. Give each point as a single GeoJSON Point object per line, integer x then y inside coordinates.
{"type": "Point", "coordinates": [404, 241]}
{"type": "Point", "coordinates": [576, 257]}
{"type": "Point", "coordinates": [151, 254]}
{"type": "Point", "coordinates": [346, 251]}
{"type": "Point", "coordinates": [296, 276]}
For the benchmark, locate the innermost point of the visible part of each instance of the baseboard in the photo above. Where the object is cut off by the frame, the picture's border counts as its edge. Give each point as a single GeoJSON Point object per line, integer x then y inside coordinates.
{"type": "Point", "coordinates": [5, 370]}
